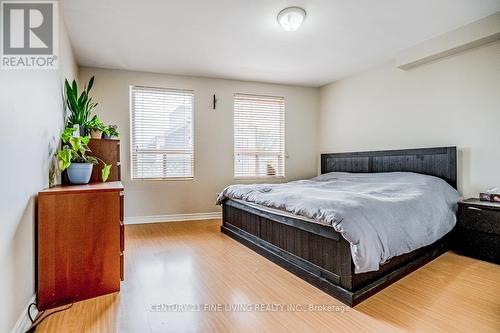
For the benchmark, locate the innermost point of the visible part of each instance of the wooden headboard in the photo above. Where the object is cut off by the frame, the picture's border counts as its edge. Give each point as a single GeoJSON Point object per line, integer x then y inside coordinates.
{"type": "Point", "coordinates": [440, 162]}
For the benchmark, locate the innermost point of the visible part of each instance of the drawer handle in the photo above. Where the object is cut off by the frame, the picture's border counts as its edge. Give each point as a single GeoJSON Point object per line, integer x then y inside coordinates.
{"type": "Point", "coordinates": [474, 208]}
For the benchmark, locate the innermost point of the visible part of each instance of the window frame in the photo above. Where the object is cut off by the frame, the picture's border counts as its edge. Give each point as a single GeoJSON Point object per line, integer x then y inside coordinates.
{"type": "Point", "coordinates": [131, 119]}
{"type": "Point", "coordinates": [259, 177]}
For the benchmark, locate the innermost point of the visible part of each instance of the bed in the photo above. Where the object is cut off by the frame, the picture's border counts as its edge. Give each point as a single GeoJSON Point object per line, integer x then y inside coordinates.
{"type": "Point", "coordinates": [319, 254]}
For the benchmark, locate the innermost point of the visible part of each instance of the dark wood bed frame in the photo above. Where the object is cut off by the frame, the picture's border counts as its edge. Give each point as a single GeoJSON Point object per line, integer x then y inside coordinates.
{"type": "Point", "coordinates": [320, 255]}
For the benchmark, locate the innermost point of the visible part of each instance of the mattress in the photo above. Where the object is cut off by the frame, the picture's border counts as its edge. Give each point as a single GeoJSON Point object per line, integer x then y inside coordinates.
{"type": "Point", "coordinates": [280, 212]}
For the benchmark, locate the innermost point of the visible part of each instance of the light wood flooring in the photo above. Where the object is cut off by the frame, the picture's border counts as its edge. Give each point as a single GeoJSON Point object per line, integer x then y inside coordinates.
{"type": "Point", "coordinates": [194, 263]}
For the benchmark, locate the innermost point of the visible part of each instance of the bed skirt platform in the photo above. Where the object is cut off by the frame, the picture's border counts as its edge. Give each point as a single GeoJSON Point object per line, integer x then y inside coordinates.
{"type": "Point", "coordinates": [316, 253]}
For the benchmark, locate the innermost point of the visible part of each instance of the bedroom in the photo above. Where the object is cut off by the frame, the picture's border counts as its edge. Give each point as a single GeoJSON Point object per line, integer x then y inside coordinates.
{"type": "Point", "coordinates": [384, 113]}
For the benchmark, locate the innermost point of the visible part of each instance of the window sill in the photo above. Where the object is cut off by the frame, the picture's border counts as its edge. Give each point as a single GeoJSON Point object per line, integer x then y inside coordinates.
{"type": "Point", "coordinates": [163, 179]}
{"type": "Point", "coordinates": [258, 177]}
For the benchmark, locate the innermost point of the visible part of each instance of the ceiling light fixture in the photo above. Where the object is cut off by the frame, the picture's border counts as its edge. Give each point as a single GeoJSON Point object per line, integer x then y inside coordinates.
{"type": "Point", "coordinates": [291, 18]}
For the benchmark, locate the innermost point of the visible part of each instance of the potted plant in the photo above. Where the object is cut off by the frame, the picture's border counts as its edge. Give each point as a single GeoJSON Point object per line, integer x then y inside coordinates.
{"type": "Point", "coordinates": [110, 132]}
{"type": "Point", "coordinates": [96, 127]}
{"type": "Point", "coordinates": [73, 158]}
{"type": "Point", "coordinates": [79, 105]}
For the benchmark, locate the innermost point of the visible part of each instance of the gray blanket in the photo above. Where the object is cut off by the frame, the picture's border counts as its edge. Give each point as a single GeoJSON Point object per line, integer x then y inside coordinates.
{"type": "Point", "coordinates": [382, 215]}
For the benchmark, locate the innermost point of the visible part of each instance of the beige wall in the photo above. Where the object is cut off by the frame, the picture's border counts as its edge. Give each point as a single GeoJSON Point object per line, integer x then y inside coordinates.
{"type": "Point", "coordinates": [31, 117]}
{"type": "Point", "coordinates": [454, 101]}
{"type": "Point", "coordinates": [213, 135]}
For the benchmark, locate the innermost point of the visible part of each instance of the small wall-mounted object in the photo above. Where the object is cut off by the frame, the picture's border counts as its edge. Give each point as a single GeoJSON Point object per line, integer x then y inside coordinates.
{"type": "Point", "coordinates": [214, 101]}
{"type": "Point", "coordinates": [483, 31]}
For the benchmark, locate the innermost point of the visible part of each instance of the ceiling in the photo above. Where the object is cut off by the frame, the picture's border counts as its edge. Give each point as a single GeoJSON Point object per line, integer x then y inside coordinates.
{"type": "Point", "coordinates": [241, 39]}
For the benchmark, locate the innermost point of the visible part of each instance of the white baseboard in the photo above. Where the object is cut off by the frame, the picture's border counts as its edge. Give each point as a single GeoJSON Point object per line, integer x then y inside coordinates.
{"type": "Point", "coordinates": [24, 322]}
{"type": "Point", "coordinates": [172, 218]}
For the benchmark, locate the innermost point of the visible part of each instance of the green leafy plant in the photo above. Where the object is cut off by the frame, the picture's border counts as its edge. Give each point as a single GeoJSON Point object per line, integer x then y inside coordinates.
{"type": "Point", "coordinates": [79, 105]}
{"type": "Point", "coordinates": [96, 124]}
{"type": "Point", "coordinates": [112, 131]}
{"type": "Point", "coordinates": [75, 149]}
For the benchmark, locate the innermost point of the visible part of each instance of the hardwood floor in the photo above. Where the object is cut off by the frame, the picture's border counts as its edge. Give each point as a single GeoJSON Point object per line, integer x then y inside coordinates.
{"type": "Point", "coordinates": [194, 263]}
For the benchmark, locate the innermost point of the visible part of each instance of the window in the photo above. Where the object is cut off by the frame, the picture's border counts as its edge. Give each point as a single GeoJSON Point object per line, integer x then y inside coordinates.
{"type": "Point", "coordinates": [259, 136]}
{"type": "Point", "coordinates": [161, 133]}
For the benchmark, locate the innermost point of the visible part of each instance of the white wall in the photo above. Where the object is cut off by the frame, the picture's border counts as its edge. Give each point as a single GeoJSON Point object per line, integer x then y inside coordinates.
{"type": "Point", "coordinates": [31, 117]}
{"type": "Point", "coordinates": [454, 101]}
{"type": "Point", "coordinates": [213, 134]}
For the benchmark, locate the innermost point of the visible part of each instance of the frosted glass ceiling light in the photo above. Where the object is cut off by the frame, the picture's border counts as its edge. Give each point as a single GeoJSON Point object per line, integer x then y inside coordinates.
{"type": "Point", "coordinates": [291, 18]}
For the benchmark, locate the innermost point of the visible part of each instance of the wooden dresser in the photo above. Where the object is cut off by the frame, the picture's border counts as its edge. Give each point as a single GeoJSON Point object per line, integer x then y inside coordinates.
{"type": "Point", "coordinates": [80, 242]}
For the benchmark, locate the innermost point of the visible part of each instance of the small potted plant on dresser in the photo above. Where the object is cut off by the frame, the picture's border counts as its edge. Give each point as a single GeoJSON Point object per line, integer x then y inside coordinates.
{"type": "Point", "coordinates": [96, 127]}
{"type": "Point", "coordinates": [110, 132]}
{"type": "Point", "coordinates": [73, 158]}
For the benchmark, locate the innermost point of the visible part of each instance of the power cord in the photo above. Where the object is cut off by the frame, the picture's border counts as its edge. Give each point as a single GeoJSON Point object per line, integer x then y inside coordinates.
{"type": "Point", "coordinates": [29, 312]}
{"type": "Point", "coordinates": [38, 320]}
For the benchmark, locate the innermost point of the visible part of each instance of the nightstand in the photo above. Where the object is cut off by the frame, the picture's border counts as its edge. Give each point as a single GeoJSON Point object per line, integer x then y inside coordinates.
{"type": "Point", "coordinates": [478, 230]}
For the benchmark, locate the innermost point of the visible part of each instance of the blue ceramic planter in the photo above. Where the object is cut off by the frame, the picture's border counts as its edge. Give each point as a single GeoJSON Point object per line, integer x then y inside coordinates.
{"type": "Point", "coordinates": [79, 173]}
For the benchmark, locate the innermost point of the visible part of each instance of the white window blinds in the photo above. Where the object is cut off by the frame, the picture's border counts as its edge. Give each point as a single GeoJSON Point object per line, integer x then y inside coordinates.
{"type": "Point", "coordinates": [259, 136]}
{"type": "Point", "coordinates": [161, 133]}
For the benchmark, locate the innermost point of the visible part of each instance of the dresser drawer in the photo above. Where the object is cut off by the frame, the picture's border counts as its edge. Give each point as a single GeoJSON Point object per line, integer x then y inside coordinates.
{"type": "Point", "coordinates": [478, 219]}
{"type": "Point", "coordinates": [122, 237]}
{"type": "Point", "coordinates": [480, 245]}
{"type": "Point", "coordinates": [122, 267]}
{"type": "Point", "coordinates": [121, 206]}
